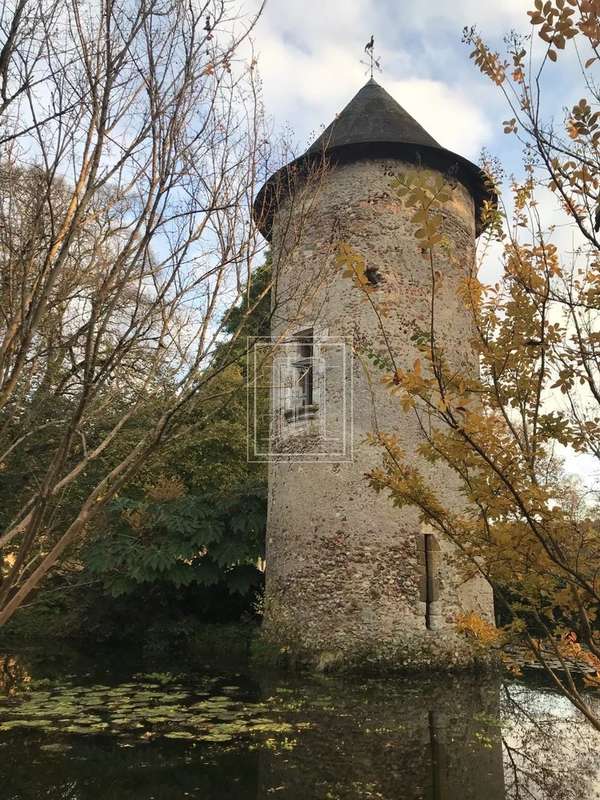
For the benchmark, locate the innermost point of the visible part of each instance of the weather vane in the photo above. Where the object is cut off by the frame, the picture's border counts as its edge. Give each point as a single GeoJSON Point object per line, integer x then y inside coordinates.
{"type": "Point", "coordinates": [372, 63]}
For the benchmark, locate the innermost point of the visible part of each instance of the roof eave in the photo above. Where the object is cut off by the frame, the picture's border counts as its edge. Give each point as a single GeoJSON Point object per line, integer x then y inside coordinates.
{"type": "Point", "coordinates": [463, 170]}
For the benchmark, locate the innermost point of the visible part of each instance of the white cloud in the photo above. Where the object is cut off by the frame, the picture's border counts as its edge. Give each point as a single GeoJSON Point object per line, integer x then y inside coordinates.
{"type": "Point", "coordinates": [309, 76]}
{"type": "Point", "coordinates": [584, 466]}
{"type": "Point", "coordinates": [455, 120]}
{"type": "Point", "coordinates": [490, 16]}
{"type": "Point", "coordinates": [316, 21]}
{"type": "Point", "coordinates": [303, 90]}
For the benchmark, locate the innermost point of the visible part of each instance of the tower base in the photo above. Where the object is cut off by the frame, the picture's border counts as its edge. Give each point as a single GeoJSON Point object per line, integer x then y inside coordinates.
{"type": "Point", "coordinates": [424, 650]}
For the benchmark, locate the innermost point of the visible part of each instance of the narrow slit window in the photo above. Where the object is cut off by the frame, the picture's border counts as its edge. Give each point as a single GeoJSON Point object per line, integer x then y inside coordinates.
{"type": "Point", "coordinates": [304, 367]}
{"type": "Point", "coordinates": [428, 578]}
{"type": "Point", "coordinates": [429, 559]}
{"type": "Point", "coordinates": [303, 406]}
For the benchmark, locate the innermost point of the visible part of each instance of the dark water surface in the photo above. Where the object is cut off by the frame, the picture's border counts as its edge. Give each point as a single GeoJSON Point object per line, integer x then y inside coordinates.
{"type": "Point", "coordinates": [119, 728]}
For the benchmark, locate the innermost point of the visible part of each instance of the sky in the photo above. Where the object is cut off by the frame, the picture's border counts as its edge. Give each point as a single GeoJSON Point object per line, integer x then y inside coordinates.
{"type": "Point", "coordinates": [310, 53]}
{"type": "Point", "coordinates": [309, 57]}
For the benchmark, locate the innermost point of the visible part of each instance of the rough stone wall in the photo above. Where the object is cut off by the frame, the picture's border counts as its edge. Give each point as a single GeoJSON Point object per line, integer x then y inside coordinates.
{"type": "Point", "coordinates": [343, 573]}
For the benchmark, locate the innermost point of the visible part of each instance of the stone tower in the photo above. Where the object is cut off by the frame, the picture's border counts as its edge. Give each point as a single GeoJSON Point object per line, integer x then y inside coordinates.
{"type": "Point", "coordinates": [350, 580]}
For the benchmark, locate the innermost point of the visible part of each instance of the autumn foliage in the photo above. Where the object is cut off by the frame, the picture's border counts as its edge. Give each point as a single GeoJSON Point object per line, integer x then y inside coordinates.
{"type": "Point", "coordinates": [504, 430]}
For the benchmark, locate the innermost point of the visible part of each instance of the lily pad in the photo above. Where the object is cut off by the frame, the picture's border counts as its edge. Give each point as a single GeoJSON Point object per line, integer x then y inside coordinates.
{"type": "Point", "coordinates": [271, 727]}
{"type": "Point", "coordinates": [55, 747]}
{"type": "Point", "coordinates": [77, 729]}
{"type": "Point", "coordinates": [27, 723]}
{"type": "Point", "coordinates": [155, 707]}
{"type": "Point", "coordinates": [216, 737]}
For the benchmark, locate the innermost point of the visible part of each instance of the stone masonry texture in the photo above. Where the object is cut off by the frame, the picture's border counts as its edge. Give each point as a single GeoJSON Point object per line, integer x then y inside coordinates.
{"type": "Point", "coordinates": [343, 581]}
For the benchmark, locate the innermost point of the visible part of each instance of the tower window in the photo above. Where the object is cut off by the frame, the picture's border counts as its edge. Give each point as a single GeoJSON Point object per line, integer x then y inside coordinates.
{"type": "Point", "coordinates": [304, 367]}
{"type": "Point", "coordinates": [303, 405]}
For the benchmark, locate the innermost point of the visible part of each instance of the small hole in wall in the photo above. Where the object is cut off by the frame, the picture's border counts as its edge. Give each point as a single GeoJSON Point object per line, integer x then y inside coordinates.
{"type": "Point", "coordinates": [373, 276]}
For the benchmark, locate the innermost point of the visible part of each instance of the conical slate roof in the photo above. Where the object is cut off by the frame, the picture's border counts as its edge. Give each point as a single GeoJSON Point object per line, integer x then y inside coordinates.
{"type": "Point", "coordinates": [372, 116]}
{"type": "Point", "coordinates": [373, 125]}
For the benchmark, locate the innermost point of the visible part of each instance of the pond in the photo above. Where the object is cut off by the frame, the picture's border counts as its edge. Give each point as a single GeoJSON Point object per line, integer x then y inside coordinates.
{"type": "Point", "coordinates": [117, 727]}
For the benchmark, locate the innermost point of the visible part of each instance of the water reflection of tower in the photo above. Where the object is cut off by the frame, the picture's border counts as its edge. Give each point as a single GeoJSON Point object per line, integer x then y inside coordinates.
{"type": "Point", "coordinates": [465, 758]}
{"type": "Point", "coordinates": [390, 740]}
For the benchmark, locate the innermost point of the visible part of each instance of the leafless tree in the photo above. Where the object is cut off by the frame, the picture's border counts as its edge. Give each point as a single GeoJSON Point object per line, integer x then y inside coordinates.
{"type": "Point", "coordinates": [131, 142]}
